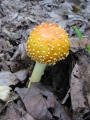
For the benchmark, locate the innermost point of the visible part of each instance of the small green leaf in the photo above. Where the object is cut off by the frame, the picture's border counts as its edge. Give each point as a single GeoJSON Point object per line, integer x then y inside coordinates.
{"type": "Point", "coordinates": [77, 32]}
{"type": "Point", "coordinates": [76, 9]}
{"type": "Point", "coordinates": [88, 48]}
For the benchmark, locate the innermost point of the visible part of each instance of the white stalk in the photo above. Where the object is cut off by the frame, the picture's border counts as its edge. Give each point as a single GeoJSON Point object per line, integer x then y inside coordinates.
{"type": "Point", "coordinates": [37, 73]}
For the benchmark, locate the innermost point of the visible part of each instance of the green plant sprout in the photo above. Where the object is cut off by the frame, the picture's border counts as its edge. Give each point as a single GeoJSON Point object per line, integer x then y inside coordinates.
{"type": "Point", "coordinates": [87, 48]}
{"type": "Point", "coordinates": [79, 34]}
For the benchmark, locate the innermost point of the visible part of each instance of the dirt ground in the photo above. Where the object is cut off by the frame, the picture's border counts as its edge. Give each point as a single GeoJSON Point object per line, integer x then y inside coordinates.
{"type": "Point", "coordinates": [64, 90]}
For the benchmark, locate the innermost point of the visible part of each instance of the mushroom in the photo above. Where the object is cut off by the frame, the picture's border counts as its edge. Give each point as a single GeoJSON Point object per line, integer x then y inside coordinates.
{"type": "Point", "coordinates": [46, 44]}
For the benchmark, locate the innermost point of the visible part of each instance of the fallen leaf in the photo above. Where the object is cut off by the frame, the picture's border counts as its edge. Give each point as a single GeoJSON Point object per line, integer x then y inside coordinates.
{"type": "Point", "coordinates": [31, 19]}
{"type": "Point", "coordinates": [20, 52]}
{"type": "Point", "coordinates": [21, 75]}
{"type": "Point", "coordinates": [12, 112]}
{"type": "Point", "coordinates": [40, 103]}
{"type": "Point", "coordinates": [76, 85]}
{"type": "Point", "coordinates": [4, 93]}
{"type": "Point", "coordinates": [75, 44]}
{"type": "Point", "coordinates": [27, 117]}
{"type": "Point", "coordinates": [16, 35]}
{"type": "Point", "coordinates": [53, 15]}
{"type": "Point", "coordinates": [14, 66]}
{"type": "Point", "coordinates": [7, 79]}
{"type": "Point", "coordinates": [3, 45]}
{"type": "Point", "coordinates": [34, 103]}
{"type": "Point", "coordinates": [85, 73]}
{"type": "Point", "coordinates": [78, 100]}
{"type": "Point", "coordinates": [13, 16]}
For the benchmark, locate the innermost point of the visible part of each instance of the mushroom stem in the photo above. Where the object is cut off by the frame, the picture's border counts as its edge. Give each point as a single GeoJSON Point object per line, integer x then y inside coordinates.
{"type": "Point", "coordinates": [37, 73]}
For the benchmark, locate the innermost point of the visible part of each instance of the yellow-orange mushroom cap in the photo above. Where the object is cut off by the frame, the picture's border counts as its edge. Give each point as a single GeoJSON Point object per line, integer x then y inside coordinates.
{"type": "Point", "coordinates": [48, 43]}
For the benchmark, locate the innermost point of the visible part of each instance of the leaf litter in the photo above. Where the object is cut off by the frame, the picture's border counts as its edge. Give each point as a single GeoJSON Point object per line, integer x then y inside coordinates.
{"type": "Point", "coordinates": [64, 91]}
{"type": "Point", "coordinates": [43, 104]}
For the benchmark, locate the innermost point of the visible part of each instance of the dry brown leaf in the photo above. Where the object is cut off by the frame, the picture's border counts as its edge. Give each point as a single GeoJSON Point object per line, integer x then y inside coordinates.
{"type": "Point", "coordinates": [40, 103]}
{"type": "Point", "coordinates": [20, 52]}
{"type": "Point", "coordinates": [13, 112]}
{"type": "Point", "coordinates": [3, 45]}
{"type": "Point", "coordinates": [84, 62]}
{"type": "Point", "coordinates": [75, 43]}
{"type": "Point", "coordinates": [78, 100]}
{"type": "Point", "coordinates": [77, 86]}
{"type": "Point", "coordinates": [7, 79]}
{"type": "Point", "coordinates": [21, 75]}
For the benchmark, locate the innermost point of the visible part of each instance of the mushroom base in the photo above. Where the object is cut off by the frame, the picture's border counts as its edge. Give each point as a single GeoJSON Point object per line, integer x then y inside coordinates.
{"type": "Point", "coordinates": [37, 73]}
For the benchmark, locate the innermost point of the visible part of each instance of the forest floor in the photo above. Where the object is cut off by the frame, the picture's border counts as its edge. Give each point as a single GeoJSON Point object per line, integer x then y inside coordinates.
{"type": "Point", "coordinates": [64, 90]}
